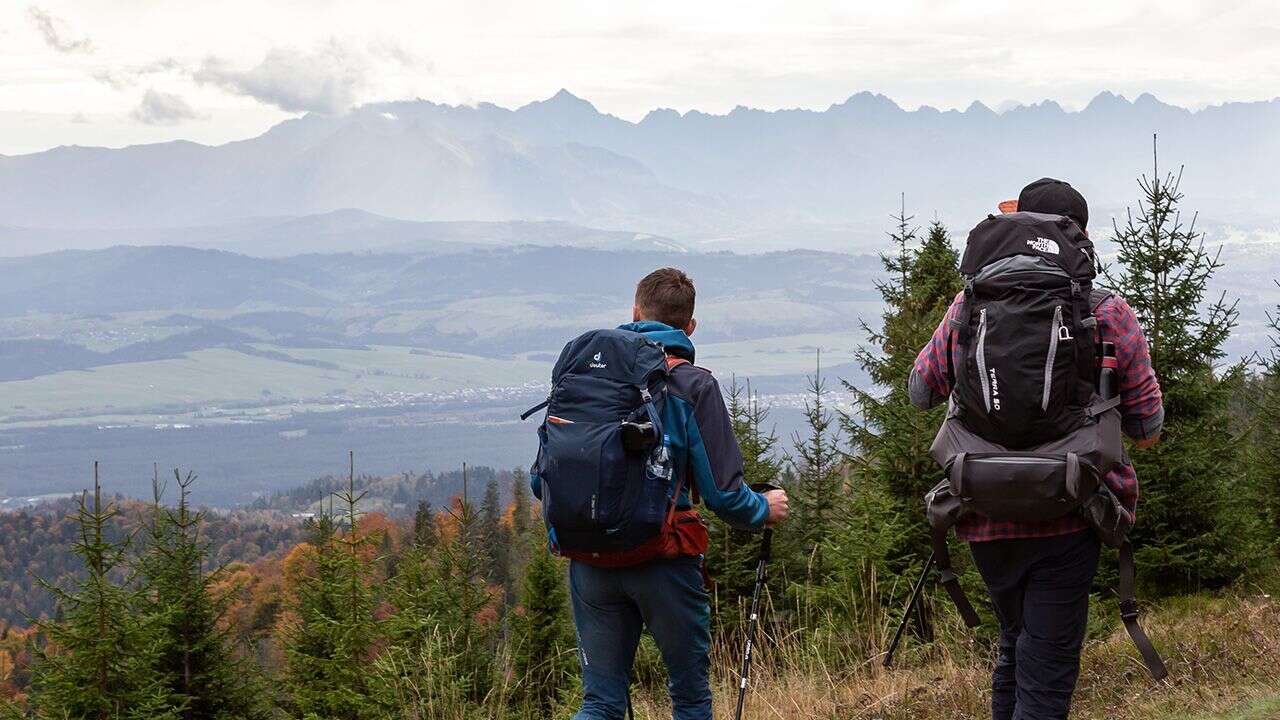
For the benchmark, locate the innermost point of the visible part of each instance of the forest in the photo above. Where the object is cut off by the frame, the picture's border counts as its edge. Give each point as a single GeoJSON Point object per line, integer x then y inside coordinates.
{"type": "Point", "coordinates": [382, 604]}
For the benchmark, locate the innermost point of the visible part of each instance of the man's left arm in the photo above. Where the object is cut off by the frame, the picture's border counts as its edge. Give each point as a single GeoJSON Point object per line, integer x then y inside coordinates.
{"type": "Point", "coordinates": [1141, 401]}
{"type": "Point", "coordinates": [715, 461]}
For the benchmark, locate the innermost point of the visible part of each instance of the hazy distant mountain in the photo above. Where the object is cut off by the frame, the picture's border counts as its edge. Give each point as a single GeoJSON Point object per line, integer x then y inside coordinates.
{"type": "Point", "coordinates": [134, 278]}
{"type": "Point", "coordinates": [334, 232]}
{"type": "Point", "coordinates": [165, 301]}
{"type": "Point", "coordinates": [747, 174]}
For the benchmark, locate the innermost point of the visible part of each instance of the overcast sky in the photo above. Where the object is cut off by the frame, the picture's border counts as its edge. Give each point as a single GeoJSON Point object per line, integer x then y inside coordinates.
{"type": "Point", "coordinates": [115, 72]}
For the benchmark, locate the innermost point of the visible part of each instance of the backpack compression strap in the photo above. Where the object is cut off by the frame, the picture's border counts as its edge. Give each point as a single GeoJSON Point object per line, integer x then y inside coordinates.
{"type": "Point", "coordinates": [1129, 615]}
{"type": "Point", "coordinates": [948, 578]}
{"type": "Point", "coordinates": [938, 538]}
{"type": "Point", "coordinates": [1128, 598]}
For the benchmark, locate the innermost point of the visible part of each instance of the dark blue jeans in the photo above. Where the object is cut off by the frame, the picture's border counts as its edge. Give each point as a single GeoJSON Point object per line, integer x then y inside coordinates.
{"type": "Point", "coordinates": [610, 608]}
{"type": "Point", "coordinates": [1040, 589]}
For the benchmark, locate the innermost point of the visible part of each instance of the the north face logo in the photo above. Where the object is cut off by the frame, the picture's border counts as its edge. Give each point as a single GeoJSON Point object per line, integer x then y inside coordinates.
{"type": "Point", "coordinates": [597, 361]}
{"type": "Point", "coordinates": [1044, 245]}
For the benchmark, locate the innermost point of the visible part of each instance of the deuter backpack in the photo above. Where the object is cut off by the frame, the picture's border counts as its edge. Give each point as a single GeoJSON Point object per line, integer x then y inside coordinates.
{"type": "Point", "coordinates": [1028, 437]}
{"type": "Point", "coordinates": [603, 460]}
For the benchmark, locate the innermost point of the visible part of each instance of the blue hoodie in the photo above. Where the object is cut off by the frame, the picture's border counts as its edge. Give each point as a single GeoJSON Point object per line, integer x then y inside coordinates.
{"type": "Point", "coordinates": [704, 450]}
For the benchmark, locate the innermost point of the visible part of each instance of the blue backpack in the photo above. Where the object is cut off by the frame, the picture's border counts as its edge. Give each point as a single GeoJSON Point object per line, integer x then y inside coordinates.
{"type": "Point", "coordinates": [603, 461]}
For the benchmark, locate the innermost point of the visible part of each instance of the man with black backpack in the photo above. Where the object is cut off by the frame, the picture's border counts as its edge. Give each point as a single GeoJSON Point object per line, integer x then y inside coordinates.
{"type": "Point", "coordinates": [633, 435]}
{"type": "Point", "coordinates": [1043, 372]}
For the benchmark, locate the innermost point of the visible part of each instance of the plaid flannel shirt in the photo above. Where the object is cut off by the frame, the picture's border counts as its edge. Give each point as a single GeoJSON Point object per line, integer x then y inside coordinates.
{"type": "Point", "coordinates": [1141, 407]}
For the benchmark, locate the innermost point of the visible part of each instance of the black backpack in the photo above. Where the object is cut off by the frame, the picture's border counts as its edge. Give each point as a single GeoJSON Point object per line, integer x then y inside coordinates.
{"type": "Point", "coordinates": [1027, 436]}
{"type": "Point", "coordinates": [603, 460]}
{"type": "Point", "coordinates": [1028, 329]}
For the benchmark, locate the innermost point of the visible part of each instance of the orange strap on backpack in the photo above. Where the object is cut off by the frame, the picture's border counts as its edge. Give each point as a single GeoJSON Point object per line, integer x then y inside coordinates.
{"type": "Point", "coordinates": [674, 362]}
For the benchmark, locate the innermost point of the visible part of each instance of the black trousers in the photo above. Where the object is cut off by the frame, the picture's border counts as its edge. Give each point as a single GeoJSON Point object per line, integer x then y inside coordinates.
{"type": "Point", "coordinates": [1040, 589]}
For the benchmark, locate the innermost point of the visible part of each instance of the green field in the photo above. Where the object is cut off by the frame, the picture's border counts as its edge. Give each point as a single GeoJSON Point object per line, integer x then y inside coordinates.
{"type": "Point", "coordinates": [219, 384]}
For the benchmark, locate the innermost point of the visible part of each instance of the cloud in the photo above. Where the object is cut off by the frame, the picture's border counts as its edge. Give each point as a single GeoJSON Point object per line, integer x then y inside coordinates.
{"type": "Point", "coordinates": [162, 108]}
{"type": "Point", "coordinates": [123, 78]}
{"type": "Point", "coordinates": [328, 79]}
{"type": "Point", "coordinates": [54, 31]}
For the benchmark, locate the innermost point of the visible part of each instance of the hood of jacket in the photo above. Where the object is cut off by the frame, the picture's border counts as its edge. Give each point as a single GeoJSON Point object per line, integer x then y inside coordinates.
{"type": "Point", "coordinates": [675, 342]}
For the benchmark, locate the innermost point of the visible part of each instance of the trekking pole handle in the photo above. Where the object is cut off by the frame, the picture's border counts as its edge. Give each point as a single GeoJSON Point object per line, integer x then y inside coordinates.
{"type": "Point", "coordinates": [766, 539]}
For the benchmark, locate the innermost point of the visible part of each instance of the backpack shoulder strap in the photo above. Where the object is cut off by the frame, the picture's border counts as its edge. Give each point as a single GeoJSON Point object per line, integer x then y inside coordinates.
{"type": "Point", "coordinates": [674, 362]}
{"type": "Point", "coordinates": [1097, 296]}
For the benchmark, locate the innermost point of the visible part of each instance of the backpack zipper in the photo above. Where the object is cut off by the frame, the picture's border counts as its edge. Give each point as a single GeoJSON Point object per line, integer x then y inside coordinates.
{"type": "Point", "coordinates": [981, 357]}
{"type": "Point", "coordinates": [1017, 461]}
{"type": "Point", "coordinates": [1052, 358]}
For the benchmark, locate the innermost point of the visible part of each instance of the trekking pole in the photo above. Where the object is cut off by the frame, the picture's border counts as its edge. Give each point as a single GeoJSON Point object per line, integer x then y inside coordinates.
{"type": "Point", "coordinates": [766, 546]}
{"type": "Point", "coordinates": [906, 615]}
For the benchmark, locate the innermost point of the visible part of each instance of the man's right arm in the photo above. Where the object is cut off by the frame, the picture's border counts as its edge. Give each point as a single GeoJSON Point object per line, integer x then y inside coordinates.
{"type": "Point", "coordinates": [929, 384]}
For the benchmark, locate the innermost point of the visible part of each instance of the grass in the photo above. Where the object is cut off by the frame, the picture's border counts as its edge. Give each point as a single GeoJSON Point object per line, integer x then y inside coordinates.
{"type": "Point", "coordinates": [148, 392]}
{"type": "Point", "coordinates": [1223, 655]}
{"type": "Point", "coordinates": [1266, 709]}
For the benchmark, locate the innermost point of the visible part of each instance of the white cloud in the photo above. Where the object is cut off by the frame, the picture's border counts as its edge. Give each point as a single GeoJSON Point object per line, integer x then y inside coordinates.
{"type": "Point", "coordinates": [162, 108]}
{"type": "Point", "coordinates": [328, 79]}
{"type": "Point", "coordinates": [123, 78]}
{"type": "Point", "coordinates": [54, 32]}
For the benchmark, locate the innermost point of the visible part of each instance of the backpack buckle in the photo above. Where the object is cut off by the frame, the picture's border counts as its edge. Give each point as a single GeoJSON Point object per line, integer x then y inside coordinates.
{"type": "Point", "coordinates": [1128, 609]}
{"type": "Point", "coordinates": [1064, 333]}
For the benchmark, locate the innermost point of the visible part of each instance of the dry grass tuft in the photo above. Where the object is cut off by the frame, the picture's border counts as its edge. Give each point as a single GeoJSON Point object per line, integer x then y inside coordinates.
{"type": "Point", "coordinates": [1222, 653]}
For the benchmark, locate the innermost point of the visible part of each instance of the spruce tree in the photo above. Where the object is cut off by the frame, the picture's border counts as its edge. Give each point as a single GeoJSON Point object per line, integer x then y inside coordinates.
{"type": "Point", "coordinates": [1189, 533]}
{"type": "Point", "coordinates": [1262, 401]}
{"type": "Point", "coordinates": [196, 657]}
{"type": "Point", "coordinates": [883, 534]}
{"type": "Point", "coordinates": [331, 636]}
{"type": "Point", "coordinates": [524, 537]}
{"type": "Point", "coordinates": [889, 437]}
{"type": "Point", "coordinates": [443, 627]}
{"type": "Point", "coordinates": [1258, 416]}
{"type": "Point", "coordinates": [543, 665]}
{"type": "Point", "coordinates": [102, 652]}
{"type": "Point", "coordinates": [469, 618]}
{"type": "Point", "coordinates": [731, 554]}
{"type": "Point", "coordinates": [425, 534]}
{"type": "Point", "coordinates": [495, 538]}
{"type": "Point", "coordinates": [819, 495]}
{"type": "Point", "coordinates": [521, 503]}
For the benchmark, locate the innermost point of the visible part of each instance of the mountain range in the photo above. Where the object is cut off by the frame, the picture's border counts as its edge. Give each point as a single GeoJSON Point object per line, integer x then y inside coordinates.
{"type": "Point", "coordinates": [749, 179]}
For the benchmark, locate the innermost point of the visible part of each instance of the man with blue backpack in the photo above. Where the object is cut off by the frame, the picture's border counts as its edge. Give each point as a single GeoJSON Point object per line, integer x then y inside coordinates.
{"type": "Point", "coordinates": [634, 435]}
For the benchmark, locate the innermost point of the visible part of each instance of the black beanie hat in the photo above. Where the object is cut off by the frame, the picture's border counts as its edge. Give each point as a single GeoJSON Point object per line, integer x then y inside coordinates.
{"type": "Point", "coordinates": [1054, 197]}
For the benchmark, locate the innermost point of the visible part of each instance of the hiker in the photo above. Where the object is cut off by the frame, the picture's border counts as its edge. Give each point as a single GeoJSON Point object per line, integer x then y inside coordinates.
{"type": "Point", "coordinates": [1038, 571]}
{"type": "Point", "coordinates": [677, 444]}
